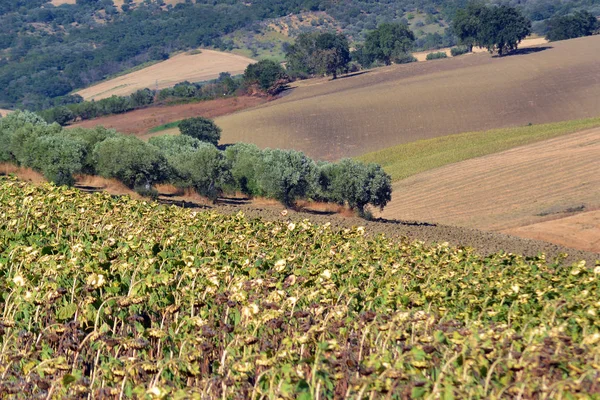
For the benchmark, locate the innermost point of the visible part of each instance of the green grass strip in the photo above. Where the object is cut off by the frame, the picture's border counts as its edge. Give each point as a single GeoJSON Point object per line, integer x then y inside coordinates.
{"type": "Point", "coordinates": [412, 158]}
{"type": "Point", "coordinates": [164, 127]}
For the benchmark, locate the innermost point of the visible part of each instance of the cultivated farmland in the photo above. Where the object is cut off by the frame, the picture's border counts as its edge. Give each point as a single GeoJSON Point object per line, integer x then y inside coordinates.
{"type": "Point", "coordinates": [404, 103]}
{"type": "Point", "coordinates": [116, 298]}
{"type": "Point", "coordinates": [518, 187]}
{"type": "Point", "coordinates": [206, 65]}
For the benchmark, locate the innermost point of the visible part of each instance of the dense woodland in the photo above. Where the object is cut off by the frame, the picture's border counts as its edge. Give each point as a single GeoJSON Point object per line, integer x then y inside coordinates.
{"type": "Point", "coordinates": [46, 52]}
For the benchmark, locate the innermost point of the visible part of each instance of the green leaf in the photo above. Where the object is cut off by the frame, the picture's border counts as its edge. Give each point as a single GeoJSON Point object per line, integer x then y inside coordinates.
{"type": "Point", "coordinates": [68, 379]}
{"type": "Point", "coordinates": [67, 311]}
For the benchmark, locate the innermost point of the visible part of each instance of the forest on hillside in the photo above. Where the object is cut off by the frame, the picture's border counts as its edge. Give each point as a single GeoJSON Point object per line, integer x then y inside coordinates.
{"type": "Point", "coordinates": [48, 51]}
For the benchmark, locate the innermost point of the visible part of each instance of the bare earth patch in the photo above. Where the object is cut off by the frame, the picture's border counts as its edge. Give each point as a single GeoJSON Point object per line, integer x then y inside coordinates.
{"type": "Point", "coordinates": [515, 188]}
{"type": "Point", "coordinates": [580, 231]}
{"type": "Point", "coordinates": [4, 112]}
{"type": "Point", "coordinates": [186, 66]}
{"type": "Point", "coordinates": [404, 103]}
{"type": "Point", "coordinates": [139, 122]}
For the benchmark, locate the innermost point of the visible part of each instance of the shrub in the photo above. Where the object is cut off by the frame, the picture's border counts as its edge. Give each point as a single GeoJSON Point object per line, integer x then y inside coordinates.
{"type": "Point", "coordinates": [436, 56]}
{"type": "Point", "coordinates": [131, 161]}
{"type": "Point", "coordinates": [404, 58]}
{"type": "Point", "coordinates": [202, 129]}
{"type": "Point", "coordinates": [459, 50]}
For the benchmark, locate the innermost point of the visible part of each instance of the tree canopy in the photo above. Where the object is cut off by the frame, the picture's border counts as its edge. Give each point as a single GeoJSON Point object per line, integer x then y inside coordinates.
{"type": "Point", "coordinates": [202, 129]}
{"type": "Point", "coordinates": [581, 23]}
{"type": "Point", "coordinates": [497, 28]}
{"type": "Point", "coordinates": [318, 54]}
{"type": "Point", "coordinates": [388, 42]}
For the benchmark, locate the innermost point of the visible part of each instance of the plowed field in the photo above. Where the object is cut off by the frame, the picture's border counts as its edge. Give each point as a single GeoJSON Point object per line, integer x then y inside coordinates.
{"type": "Point", "coordinates": [527, 185]}
{"type": "Point", "coordinates": [186, 66]}
{"type": "Point", "coordinates": [400, 104]}
{"type": "Point", "coordinates": [140, 121]}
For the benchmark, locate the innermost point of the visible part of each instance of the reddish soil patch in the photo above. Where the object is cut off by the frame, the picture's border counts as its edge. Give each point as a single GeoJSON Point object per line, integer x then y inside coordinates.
{"type": "Point", "coordinates": [139, 122]}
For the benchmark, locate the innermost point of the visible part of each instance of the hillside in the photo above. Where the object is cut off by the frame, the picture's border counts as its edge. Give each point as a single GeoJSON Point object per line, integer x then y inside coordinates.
{"type": "Point", "coordinates": [404, 103]}
{"type": "Point", "coordinates": [49, 49]}
{"type": "Point", "coordinates": [190, 66]}
{"type": "Point", "coordinates": [516, 188]}
{"type": "Point", "coordinates": [116, 298]}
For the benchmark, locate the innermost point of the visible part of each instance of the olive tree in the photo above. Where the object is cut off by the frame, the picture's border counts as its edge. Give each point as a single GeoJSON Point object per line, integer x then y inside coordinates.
{"type": "Point", "coordinates": [355, 184]}
{"type": "Point", "coordinates": [195, 164]}
{"type": "Point", "coordinates": [58, 157]}
{"type": "Point", "coordinates": [245, 161]}
{"type": "Point", "coordinates": [135, 163]}
{"type": "Point", "coordinates": [286, 175]}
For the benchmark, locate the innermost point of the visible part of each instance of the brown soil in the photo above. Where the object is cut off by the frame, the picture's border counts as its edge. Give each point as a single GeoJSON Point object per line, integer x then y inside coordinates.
{"type": "Point", "coordinates": [139, 122]}
{"type": "Point", "coordinates": [519, 187]}
{"type": "Point", "coordinates": [580, 231]}
{"type": "Point", "coordinates": [403, 103]}
{"type": "Point", "coordinates": [206, 65]}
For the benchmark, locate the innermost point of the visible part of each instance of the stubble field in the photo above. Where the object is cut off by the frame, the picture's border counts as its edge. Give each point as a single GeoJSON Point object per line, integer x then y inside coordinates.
{"type": "Point", "coordinates": [404, 103]}
{"type": "Point", "coordinates": [185, 66]}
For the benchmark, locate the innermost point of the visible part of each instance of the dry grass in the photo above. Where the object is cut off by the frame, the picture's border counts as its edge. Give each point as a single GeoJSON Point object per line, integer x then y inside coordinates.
{"type": "Point", "coordinates": [191, 67]}
{"type": "Point", "coordinates": [4, 112]}
{"type": "Point", "coordinates": [25, 174]}
{"type": "Point", "coordinates": [529, 42]}
{"type": "Point", "coordinates": [523, 186]}
{"type": "Point", "coordinates": [95, 183]}
{"type": "Point", "coordinates": [404, 103]}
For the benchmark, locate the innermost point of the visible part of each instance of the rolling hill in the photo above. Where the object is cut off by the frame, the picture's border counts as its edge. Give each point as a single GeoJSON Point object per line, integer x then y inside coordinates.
{"type": "Point", "coordinates": [404, 103]}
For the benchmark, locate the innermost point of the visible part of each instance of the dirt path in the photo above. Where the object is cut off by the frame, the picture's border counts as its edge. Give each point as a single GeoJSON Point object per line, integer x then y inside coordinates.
{"type": "Point", "coordinates": [185, 66]}
{"type": "Point", "coordinates": [519, 187]}
{"type": "Point", "coordinates": [140, 121]}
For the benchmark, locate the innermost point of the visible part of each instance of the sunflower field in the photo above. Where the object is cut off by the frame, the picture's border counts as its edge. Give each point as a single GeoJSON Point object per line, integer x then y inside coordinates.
{"type": "Point", "coordinates": [108, 297]}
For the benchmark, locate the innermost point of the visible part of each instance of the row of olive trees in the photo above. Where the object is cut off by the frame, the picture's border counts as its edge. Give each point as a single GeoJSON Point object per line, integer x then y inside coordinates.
{"type": "Point", "coordinates": [187, 162]}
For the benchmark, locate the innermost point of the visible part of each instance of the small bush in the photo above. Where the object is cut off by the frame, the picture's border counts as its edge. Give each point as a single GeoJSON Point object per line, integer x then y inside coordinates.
{"type": "Point", "coordinates": [202, 129]}
{"type": "Point", "coordinates": [459, 50]}
{"type": "Point", "coordinates": [436, 56]}
{"type": "Point", "coordinates": [404, 58]}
